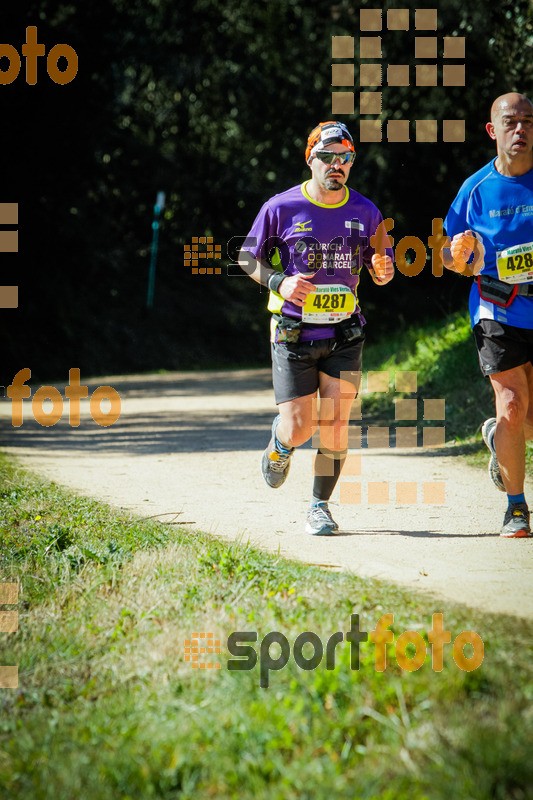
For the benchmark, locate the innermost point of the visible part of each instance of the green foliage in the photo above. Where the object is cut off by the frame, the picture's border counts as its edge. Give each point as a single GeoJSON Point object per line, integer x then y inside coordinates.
{"type": "Point", "coordinates": [212, 102]}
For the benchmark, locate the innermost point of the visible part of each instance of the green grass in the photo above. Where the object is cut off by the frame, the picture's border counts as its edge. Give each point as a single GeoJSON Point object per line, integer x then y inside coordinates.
{"type": "Point", "coordinates": [107, 707]}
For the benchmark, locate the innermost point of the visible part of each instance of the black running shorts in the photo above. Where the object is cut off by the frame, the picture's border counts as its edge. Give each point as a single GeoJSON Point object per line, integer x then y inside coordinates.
{"type": "Point", "coordinates": [296, 366]}
{"type": "Point", "coordinates": [502, 347]}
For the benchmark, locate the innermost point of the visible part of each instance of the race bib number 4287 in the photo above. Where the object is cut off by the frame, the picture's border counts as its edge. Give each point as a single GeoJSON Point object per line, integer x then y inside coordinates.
{"type": "Point", "coordinates": [330, 303]}
{"type": "Point", "coordinates": [515, 265]}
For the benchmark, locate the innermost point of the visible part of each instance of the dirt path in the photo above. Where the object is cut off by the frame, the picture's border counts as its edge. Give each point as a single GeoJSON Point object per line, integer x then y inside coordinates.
{"type": "Point", "coordinates": [188, 446]}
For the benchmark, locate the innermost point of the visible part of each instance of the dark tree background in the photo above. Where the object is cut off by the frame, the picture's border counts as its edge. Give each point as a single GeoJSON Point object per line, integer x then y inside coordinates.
{"type": "Point", "coordinates": [210, 102]}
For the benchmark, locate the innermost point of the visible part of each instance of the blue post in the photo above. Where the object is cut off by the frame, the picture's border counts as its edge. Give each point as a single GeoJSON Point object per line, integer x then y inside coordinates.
{"type": "Point", "coordinates": [159, 205]}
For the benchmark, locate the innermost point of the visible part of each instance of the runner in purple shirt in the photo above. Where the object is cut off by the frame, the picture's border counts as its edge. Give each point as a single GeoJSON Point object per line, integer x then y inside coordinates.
{"type": "Point", "coordinates": [308, 246]}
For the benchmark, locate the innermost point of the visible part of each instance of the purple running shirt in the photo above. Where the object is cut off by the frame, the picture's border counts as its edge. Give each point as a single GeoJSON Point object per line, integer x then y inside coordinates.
{"type": "Point", "coordinates": [297, 234]}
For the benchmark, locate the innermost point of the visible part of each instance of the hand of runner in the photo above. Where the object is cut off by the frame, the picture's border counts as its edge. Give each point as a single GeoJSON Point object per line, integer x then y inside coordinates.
{"type": "Point", "coordinates": [461, 248]}
{"type": "Point", "coordinates": [296, 288]}
{"type": "Point", "coordinates": [383, 269]}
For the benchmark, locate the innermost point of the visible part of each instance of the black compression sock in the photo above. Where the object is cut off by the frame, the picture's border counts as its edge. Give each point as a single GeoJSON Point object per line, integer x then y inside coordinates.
{"type": "Point", "coordinates": [327, 468]}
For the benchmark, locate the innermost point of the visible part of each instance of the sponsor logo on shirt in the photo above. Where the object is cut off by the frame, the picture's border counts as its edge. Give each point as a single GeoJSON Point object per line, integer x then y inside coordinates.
{"type": "Point", "coordinates": [300, 227]}
{"type": "Point", "coordinates": [354, 223]}
{"type": "Point", "coordinates": [505, 212]}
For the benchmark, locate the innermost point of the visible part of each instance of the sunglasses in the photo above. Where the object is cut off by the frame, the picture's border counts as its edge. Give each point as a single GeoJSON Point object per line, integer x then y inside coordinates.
{"type": "Point", "coordinates": [327, 157]}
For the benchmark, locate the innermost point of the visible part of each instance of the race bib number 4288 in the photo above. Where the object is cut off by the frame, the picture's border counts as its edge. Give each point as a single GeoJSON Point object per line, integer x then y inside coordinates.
{"type": "Point", "coordinates": [515, 265]}
{"type": "Point", "coordinates": [327, 304]}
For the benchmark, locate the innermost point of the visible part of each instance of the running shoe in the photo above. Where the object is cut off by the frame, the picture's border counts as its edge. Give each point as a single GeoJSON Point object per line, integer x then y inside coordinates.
{"type": "Point", "coordinates": [487, 431]}
{"type": "Point", "coordinates": [319, 521]}
{"type": "Point", "coordinates": [516, 521]}
{"type": "Point", "coordinates": [275, 464]}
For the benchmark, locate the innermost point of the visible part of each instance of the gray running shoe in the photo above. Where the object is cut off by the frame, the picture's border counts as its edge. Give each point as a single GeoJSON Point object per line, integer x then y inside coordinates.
{"type": "Point", "coordinates": [487, 431]}
{"type": "Point", "coordinates": [516, 522]}
{"type": "Point", "coordinates": [319, 521]}
{"type": "Point", "coordinates": [274, 464]}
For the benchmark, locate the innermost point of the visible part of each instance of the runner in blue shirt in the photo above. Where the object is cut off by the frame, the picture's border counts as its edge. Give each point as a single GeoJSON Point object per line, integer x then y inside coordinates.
{"type": "Point", "coordinates": [308, 245]}
{"type": "Point", "coordinates": [492, 217]}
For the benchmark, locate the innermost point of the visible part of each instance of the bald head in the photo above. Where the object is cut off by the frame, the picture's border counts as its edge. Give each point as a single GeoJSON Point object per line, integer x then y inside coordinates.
{"type": "Point", "coordinates": [511, 127]}
{"type": "Point", "coordinates": [510, 102]}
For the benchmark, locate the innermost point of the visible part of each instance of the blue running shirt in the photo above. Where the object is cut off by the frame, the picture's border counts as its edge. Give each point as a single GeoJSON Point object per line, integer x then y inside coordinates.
{"type": "Point", "coordinates": [500, 210]}
{"type": "Point", "coordinates": [314, 237]}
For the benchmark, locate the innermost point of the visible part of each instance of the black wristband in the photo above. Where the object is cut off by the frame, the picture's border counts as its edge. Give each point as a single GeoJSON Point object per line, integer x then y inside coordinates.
{"type": "Point", "coordinates": [274, 281]}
